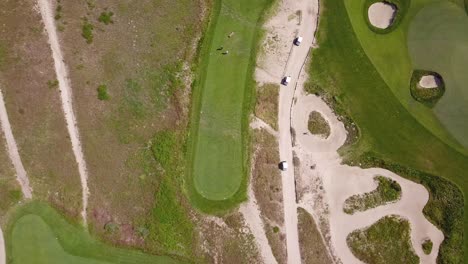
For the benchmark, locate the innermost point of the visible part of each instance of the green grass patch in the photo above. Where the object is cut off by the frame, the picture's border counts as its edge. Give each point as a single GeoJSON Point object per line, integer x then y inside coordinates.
{"type": "Point", "coordinates": [106, 18]}
{"type": "Point", "coordinates": [387, 191]}
{"type": "Point", "coordinates": [102, 93]}
{"type": "Point", "coordinates": [427, 96]}
{"type": "Point", "coordinates": [390, 136]}
{"type": "Point", "coordinates": [387, 241]}
{"type": "Point", "coordinates": [222, 103]}
{"type": "Point", "coordinates": [87, 31]}
{"type": "Point", "coordinates": [318, 125]}
{"type": "Point", "coordinates": [37, 234]}
{"type": "Point", "coordinates": [427, 246]}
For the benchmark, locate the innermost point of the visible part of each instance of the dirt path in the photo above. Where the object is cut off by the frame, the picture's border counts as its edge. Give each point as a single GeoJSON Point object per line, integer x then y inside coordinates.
{"type": "Point", "coordinates": [294, 18]}
{"type": "Point", "coordinates": [342, 181]}
{"type": "Point", "coordinates": [47, 14]}
{"type": "Point", "coordinates": [13, 153]}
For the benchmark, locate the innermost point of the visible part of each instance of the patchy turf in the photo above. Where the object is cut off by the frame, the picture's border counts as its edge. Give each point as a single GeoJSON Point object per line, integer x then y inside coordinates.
{"type": "Point", "coordinates": [36, 233]}
{"type": "Point", "coordinates": [386, 241]}
{"type": "Point", "coordinates": [266, 107]}
{"type": "Point", "coordinates": [390, 136]}
{"type": "Point", "coordinates": [312, 245]}
{"type": "Point", "coordinates": [318, 125]}
{"type": "Point", "coordinates": [387, 191]}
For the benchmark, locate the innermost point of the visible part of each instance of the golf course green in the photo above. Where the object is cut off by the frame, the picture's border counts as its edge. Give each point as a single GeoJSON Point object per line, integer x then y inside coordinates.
{"type": "Point", "coordinates": [38, 234]}
{"type": "Point", "coordinates": [366, 76]}
{"type": "Point", "coordinates": [223, 99]}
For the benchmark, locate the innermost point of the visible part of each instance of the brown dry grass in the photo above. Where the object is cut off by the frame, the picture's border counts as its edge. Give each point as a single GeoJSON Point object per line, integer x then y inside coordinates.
{"type": "Point", "coordinates": [140, 58]}
{"type": "Point", "coordinates": [267, 104]}
{"type": "Point", "coordinates": [313, 249]}
{"type": "Point", "coordinates": [267, 187]}
{"type": "Point", "coordinates": [34, 108]}
{"type": "Point", "coordinates": [10, 191]}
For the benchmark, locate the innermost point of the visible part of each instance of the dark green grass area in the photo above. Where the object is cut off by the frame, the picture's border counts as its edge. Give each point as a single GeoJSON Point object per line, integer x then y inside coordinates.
{"type": "Point", "coordinates": [318, 125]}
{"type": "Point", "coordinates": [387, 191]}
{"type": "Point", "coordinates": [222, 102]}
{"type": "Point", "coordinates": [401, 6]}
{"type": "Point", "coordinates": [387, 241]}
{"type": "Point", "coordinates": [38, 234]}
{"type": "Point", "coordinates": [427, 246]}
{"type": "Point", "coordinates": [427, 96]}
{"type": "Point", "coordinates": [389, 136]}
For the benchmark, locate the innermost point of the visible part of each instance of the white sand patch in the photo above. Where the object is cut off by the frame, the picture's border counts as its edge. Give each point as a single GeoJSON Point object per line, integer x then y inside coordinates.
{"type": "Point", "coordinates": [429, 81]}
{"type": "Point", "coordinates": [381, 14]}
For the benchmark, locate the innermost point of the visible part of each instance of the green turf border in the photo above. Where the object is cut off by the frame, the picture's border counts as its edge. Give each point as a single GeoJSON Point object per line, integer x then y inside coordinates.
{"type": "Point", "coordinates": [402, 8]}
{"type": "Point", "coordinates": [427, 96]}
{"type": "Point", "coordinates": [197, 200]}
{"type": "Point", "coordinates": [75, 240]}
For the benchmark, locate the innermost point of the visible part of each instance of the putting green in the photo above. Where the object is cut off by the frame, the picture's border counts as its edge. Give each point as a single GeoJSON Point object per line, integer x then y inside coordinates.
{"type": "Point", "coordinates": [390, 55]}
{"type": "Point", "coordinates": [219, 153]}
{"type": "Point", "coordinates": [438, 40]}
{"type": "Point", "coordinates": [37, 234]}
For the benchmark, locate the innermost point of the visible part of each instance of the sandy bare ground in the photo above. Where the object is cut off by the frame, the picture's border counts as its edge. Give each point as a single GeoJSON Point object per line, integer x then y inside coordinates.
{"type": "Point", "coordinates": [47, 14]}
{"type": "Point", "coordinates": [2, 248]}
{"type": "Point", "coordinates": [429, 81]}
{"type": "Point", "coordinates": [13, 153]}
{"type": "Point", "coordinates": [381, 14]}
{"type": "Point", "coordinates": [251, 214]}
{"type": "Point", "coordinates": [342, 181]}
{"type": "Point", "coordinates": [280, 58]}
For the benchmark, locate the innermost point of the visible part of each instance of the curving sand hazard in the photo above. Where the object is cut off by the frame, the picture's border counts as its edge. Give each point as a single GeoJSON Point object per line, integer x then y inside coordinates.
{"type": "Point", "coordinates": [381, 14]}
{"type": "Point", "coordinates": [342, 181]}
{"type": "Point", "coordinates": [13, 153]}
{"type": "Point", "coordinates": [45, 7]}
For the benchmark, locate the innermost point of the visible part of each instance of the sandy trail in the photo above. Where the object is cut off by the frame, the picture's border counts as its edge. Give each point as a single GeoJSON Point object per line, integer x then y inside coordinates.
{"type": "Point", "coordinates": [13, 153]}
{"type": "Point", "coordinates": [342, 181]}
{"type": "Point", "coordinates": [258, 123]}
{"type": "Point", "coordinates": [47, 14]}
{"type": "Point", "coordinates": [282, 58]}
{"type": "Point", "coordinates": [251, 214]}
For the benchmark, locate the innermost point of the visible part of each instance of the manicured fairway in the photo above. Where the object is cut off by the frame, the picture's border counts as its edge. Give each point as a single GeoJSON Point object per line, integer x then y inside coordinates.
{"type": "Point", "coordinates": [219, 156]}
{"type": "Point", "coordinates": [356, 80]}
{"type": "Point", "coordinates": [390, 55]}
{"type": "Point", "coordinates": [438, 40]}
{"type": "Point", "coordinates": [38, 234]}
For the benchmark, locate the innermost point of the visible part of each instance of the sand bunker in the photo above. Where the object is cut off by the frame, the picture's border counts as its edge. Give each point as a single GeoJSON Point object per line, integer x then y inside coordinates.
{"type": "Point", "coordinates": [381, 14]}
{"type": "Point", "coordinates": [430, 81]}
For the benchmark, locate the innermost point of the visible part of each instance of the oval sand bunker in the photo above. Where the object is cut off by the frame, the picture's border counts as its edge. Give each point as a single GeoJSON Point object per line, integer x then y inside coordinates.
{"type": "Point", "coordinates": [381, 14]}
{"type": "Point", "coordinates": [430, 81]}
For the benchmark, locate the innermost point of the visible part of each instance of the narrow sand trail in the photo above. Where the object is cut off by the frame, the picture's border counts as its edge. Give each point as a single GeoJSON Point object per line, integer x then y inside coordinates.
{"type": "Point", "coordinates": [13, 153]}
{"type": "Point", "coordinates": [342, 181]}
{"type": "Point", "coordinates": [281, 59]}
{"type": "Point", "coordinates": [47, 14]}
{"type": "Point", "coordinates": [2, 248]}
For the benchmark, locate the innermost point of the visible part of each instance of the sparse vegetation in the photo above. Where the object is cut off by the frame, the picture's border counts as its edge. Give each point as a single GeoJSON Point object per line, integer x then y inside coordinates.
{"type": "Point", "coordinates": [312, 246]}
{"type": "Point", "coordinates": [52, 84]}
{"type": "Point", "coordinates": [102, 93]}
{"type": "Point", "coordinates": [427, 246]}
{"type": "Point", "coordinates": [58, 12]}
{"type": "Point", "coordinates": [386, 241]}
{"type": "Point", "coordinates": [267, 104]}
{"type": "Point", "coordinates": [106, 17]}
{"type": "Point", "coordinates": [387, 191]}
{"type": "Point", "coordinates": [318, 125]}
{"type": "Point", "coordinates": [87, 31]}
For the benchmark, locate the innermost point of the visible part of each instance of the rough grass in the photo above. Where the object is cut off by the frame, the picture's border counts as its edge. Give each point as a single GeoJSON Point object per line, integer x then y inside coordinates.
{"type": "Point", "coordinates": [218, 153]}
{"type": "Point", "coordinates": [427, 246]}
{"type": "Point", "coordinates": [427, 96]}
{"type": "Point", "coordinates": [36, 233]}
{"type": "Point", "coordinates": [312, 246]}
{"type": "Point", "coordinates": [387, 191]}
{"type": "Point", "coordinates": [386, 241]}
{"type": "Point", "coordinates": [389, 135]}
{"type": "Point", "coordinates": [267, 104]}
{"type": "Point", "coordinates": [318, 125]}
